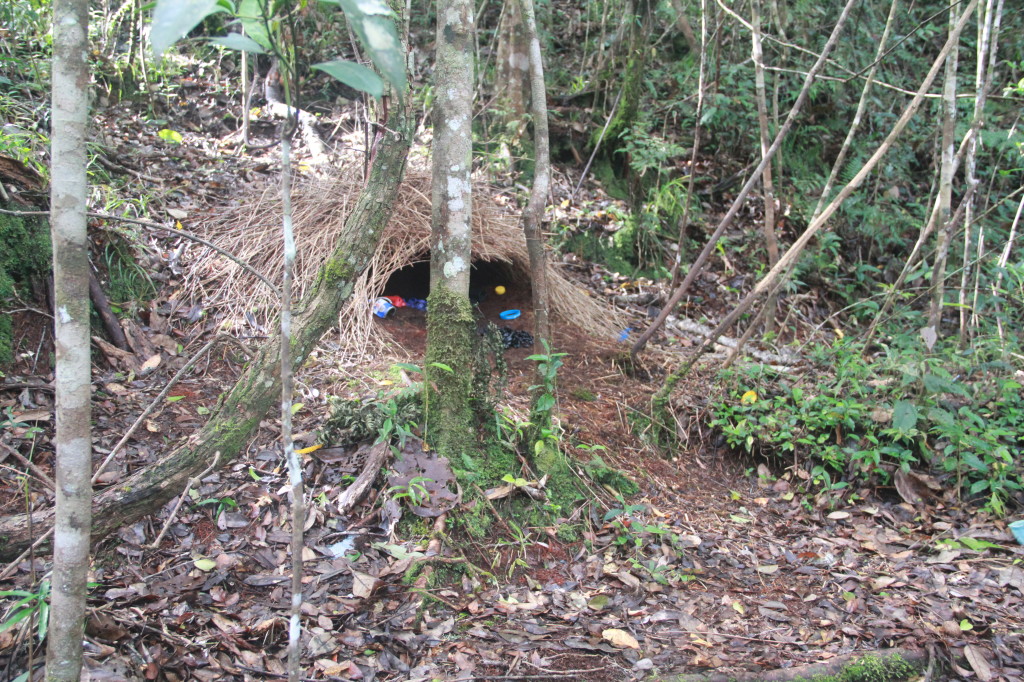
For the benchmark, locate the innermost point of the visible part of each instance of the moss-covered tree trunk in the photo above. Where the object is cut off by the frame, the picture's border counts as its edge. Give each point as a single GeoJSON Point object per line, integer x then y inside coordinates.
{"type": "Point", "coordinates": [632, 79]}
{"type": "Point", "coordinates": [259, 388]}
{"type": "Point", "coordinates": [450, 320]}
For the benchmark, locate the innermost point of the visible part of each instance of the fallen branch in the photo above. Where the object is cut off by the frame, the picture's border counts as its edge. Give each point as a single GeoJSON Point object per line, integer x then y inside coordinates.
{"type": "Point", "coordinates": [378, 454]}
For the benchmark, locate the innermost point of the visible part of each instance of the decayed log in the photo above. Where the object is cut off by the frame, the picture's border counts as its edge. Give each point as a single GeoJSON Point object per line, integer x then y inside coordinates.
{"type": "Point", "coordinates": [259, 387]}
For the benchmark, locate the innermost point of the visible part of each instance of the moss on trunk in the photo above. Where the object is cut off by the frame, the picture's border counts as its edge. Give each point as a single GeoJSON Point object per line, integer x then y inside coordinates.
{"type": "Point", "coordinates": [448, 398]}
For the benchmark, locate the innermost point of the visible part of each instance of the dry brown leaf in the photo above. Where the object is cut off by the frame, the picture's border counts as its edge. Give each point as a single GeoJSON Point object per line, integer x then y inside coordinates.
{"type": "Point", "coordinates": [620, 638]}
{"type": "Point", "coordinates": [979, 662]}
{"type": "Point", "coordinates": [150, 364]}
{"type": "Point", "coordinates": [363, 584]}
{"type": "Point", "coordinates": [628, 579]}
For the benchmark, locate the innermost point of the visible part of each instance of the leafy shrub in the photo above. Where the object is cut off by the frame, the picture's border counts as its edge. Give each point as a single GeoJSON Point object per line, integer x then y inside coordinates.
{"type": "Point", "coordinates": [960, 413]}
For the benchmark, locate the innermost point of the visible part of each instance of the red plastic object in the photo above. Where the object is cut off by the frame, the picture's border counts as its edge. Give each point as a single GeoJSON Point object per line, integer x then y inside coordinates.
{"type": "Point", "coordinates": [397, 301]}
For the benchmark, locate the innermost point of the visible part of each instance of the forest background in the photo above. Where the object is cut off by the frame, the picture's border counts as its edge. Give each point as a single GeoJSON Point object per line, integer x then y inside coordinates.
{"type": "Point", "coordinates": [699, 173]}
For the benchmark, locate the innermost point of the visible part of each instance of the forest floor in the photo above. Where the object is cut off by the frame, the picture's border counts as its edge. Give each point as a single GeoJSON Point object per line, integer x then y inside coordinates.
{"type": "Point", "coordinates": [720, 563]}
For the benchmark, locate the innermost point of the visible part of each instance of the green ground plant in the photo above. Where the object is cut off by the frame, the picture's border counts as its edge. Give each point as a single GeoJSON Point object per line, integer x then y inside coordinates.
{"type": "Point", "coordinates": [24, 259]}
{"type": "Point", "coordinates": [959, 414]}
{"type": "Point", "coordinates": [31, 607]}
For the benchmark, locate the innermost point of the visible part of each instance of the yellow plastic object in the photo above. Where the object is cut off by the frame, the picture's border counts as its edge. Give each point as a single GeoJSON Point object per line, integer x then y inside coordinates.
{"type": "Point", "coordinates": [499, 290]}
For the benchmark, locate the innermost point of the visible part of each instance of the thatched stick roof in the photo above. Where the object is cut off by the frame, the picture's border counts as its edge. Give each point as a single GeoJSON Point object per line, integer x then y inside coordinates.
{"type": "Point", "coordinates": [251, 230]}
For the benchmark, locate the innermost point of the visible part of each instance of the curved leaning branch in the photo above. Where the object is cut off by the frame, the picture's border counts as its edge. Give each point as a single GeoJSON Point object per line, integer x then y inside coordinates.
{"type": "Point", "coordinates": [258, 390]}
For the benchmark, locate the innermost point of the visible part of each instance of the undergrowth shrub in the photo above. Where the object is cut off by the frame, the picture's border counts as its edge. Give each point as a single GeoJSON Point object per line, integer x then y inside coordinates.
{"type": "Point", "coordinates": [959, 414]}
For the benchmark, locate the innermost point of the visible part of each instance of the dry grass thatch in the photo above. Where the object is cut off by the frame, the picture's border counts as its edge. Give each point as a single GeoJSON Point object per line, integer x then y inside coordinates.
{"type": "Point", "coordinates": [252, 232]}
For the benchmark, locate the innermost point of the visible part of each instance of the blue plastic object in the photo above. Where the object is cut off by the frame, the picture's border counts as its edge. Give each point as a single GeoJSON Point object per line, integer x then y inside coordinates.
{"type": "Point", "coordinates": [1017, 528]}
{"type": "Point", "coordinates": [509, 314]}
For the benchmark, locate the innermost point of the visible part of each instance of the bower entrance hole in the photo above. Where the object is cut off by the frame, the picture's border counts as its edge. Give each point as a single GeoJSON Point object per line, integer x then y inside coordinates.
{"type": "Point", "coordinates": [413, 281]}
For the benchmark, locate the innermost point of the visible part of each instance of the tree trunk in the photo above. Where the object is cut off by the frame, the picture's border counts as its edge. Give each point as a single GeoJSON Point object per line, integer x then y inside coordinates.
{"type": "Point", "coordinates": [684, 26]}
{"type": "Point", "coordinates": [450, 320]}
{"type": "Point", "coordinates": [770, 240]}
{"type": "Point", "coordinates": [512, 85]}
{"type": "Point", "coordinates": [259, 388]}
{"type": "Point", "coordinates": [68, 191]}
{"type": "Point", "coordinates": [684, 222]}
{"type": "Point", "coordinates": [945, 184]}
{"type": "Point", "coordinates": [533, 216]}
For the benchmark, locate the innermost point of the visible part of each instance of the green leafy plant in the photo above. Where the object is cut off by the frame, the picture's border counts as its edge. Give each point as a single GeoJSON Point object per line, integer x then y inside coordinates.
{"type": "Point", "coordinates": [220, 504]}
{"type": "Point", "coordinates": [31, 607]}
{"type": "Point", "coordinates": [957, 412]}
{"type": "Point", "coordinates": [414, 492]}
{"type": "Point", "coordinates": [544, 401]}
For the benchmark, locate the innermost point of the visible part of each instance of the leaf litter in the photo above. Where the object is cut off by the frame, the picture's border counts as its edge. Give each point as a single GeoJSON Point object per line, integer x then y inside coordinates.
{"type": "Point", "coordinates": [705, 569]}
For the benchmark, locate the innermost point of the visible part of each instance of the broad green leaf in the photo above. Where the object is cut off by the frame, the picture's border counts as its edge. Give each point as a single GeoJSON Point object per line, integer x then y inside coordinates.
{"type": "Point", "coordinates": [904, 416]}
{"type": "Point", "coordinates": [44, 621]}
{"type": "Point", "coordinates": [367, 6]}
{"type": "Point", "coordinates": [977, 545]}
{"type": "Point", "coordinates": [941, 416]}
{"type": "Point", "coordinates": [173, 19]}
{"type": "Point", "coordinates": [174, 398]}
{"type": "Point", "coordinates": [545, 402]}
{"type": "Point", "coordinates": [251, 16]}
{"type": "Point", "coordinates": [374, 7]}
{"type": "Point", "coordinates": [168, 135]}
{"type": "Point", "coordinates": [236, 41]}
{"type": "Point", "coordinates": [405, 365]}
{"type": "Point", "coordinates": [441, 365]}
{"type": "Point", "coordinates": [205, 564]}
{"type": "Point", "coordinates": [372, 22]}
{"type": "Point", "coordinates": [296, 407]}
